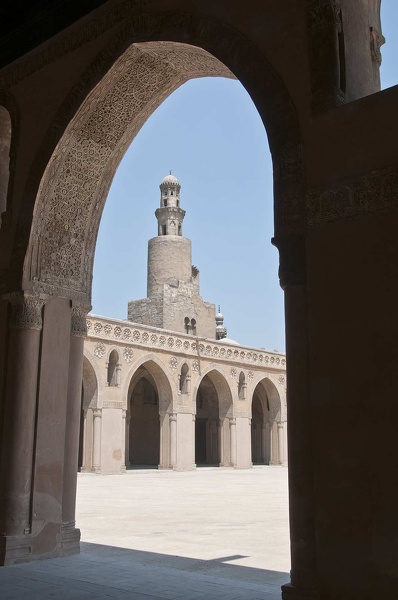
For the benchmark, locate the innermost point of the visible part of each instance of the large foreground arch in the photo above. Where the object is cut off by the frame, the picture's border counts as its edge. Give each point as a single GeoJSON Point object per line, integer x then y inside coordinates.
{"type": "Point", "coordinates": [337, 240]}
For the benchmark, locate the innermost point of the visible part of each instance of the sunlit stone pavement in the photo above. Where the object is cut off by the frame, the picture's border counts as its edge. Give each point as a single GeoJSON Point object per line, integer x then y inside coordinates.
{"type": "Point", "coordinates": [147, 535]}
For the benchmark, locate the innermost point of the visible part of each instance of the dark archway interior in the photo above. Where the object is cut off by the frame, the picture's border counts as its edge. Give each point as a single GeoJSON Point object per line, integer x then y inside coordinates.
{"type": "Point", "coordinates": [144, 432]}
{"type": "Point", "coordinates": [207, 445]}
{"type": "Point", "coordinates": [258, 453]}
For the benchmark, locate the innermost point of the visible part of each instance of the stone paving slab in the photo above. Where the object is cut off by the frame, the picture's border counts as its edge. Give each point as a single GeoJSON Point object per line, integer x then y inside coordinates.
{"type": "Point", "coordinates": [152, 535]}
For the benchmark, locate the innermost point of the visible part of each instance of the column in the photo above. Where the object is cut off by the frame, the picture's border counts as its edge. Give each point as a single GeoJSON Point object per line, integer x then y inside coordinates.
{"type": "Point", "coordinates": [220, 442]}
{"type": "Point", "coordinates": [263, 443]}
{"type": "Point", "coordinates": [118, 371]}
{"type": "Point", "coordinates": [193, 441]}
{"type": "Point", "coordinates": [208, 442]}
{"type": "Point", "coordinates": [84, 445]}
{"type": "Point", "coordinates": [285, 450]}
{"type": "Point", "coordinates": [127, 440]}
{"type": "Point", "coordinates": [188, 381]}
{"type": "Point", "coordinates": [232, 426]}
{"type": "Point", "coordinates": [124, 421]}
{"type": "Point", "coordinates": [280, 443]}
{"type": "Point", "coordinates": [267, 443]}
{"type": "Point", "coordinates": [271, 444]}
{"type": "Point", "coordinates": [69, 534]}
{"type": "Point", "coordinates": [173, 440]}
{"type": "Point", "coordinates": [292, 272]}
{"type": "Point", "coordinates": [97, 414]}
{"type": "Point", "coordinates": [19, 421]}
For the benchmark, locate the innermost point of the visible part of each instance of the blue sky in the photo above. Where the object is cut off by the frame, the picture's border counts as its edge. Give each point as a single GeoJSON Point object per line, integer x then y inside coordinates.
{"type": "Point", "coordinates": [209, 134]}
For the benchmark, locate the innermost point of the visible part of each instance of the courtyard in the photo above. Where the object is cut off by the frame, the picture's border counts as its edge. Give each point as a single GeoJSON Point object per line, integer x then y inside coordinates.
{"type": "Point", "coordinates": [153, 534]}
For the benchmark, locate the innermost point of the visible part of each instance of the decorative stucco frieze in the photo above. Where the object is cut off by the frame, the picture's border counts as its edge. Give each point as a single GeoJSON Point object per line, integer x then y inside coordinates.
{"type": "Point", "coordinates": [128, 354]}
{"type": "Point", "coordinates": [353, 197]}
{"type": "Point", "coordinates": [98, 328]}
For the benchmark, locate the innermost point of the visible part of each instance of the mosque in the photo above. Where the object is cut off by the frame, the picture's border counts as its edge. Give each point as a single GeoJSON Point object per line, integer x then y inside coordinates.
{"type": "Point", "coordinates": [166, 387]}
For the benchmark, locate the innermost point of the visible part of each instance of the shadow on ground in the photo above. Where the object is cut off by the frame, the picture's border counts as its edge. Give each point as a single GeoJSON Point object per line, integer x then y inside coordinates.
{"type": "Point", "coordinates": [218, 567]}
{"type": "Point", "coordinates": [106, 572]}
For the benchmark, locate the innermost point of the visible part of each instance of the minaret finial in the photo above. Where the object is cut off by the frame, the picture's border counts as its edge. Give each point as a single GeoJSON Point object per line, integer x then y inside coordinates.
{"type": "Point", "coordinates": [170, 171]}
{"type": "Point", "coordinates": [219, 308]}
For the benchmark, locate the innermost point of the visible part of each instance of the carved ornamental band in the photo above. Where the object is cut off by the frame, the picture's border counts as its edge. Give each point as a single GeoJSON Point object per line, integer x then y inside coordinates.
{"type": "Point", "coordinates": [79, 321]}
{"type": "Point", "coordinates": [349, 198]}
{"type": "Point", "coordinates": [26, 311]}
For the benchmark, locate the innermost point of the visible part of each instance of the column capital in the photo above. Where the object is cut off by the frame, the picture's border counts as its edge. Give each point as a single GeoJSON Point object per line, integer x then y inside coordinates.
{"type": "Point", "coordinates": [280, 424]}
{"type": "Point", "coordinates": [292, 259]}
{"type": "Point", "coordinates": [78, 320]}
{"type": "Point", "coordinates": [97, 412]}
{"type": "Point", "coordinates": [173, 416]}
{"type": "Point", "coordinates": [26, 310]}
{"type": "Point", "coordinates": [232, 421]}
{"type": "Point", "coordinates": [124, 413]}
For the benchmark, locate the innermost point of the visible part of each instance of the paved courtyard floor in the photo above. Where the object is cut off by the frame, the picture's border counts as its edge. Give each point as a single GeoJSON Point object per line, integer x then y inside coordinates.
{"type": "Point", "coordinates": [159, 535]}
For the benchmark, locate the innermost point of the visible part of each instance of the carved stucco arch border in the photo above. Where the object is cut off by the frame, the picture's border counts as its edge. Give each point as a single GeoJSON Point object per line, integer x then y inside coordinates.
{"type": "Point", "coordinates": [160, 377]}
{"type": "Point", "coordinates": [225, 393]}
{"type": "Point", "coordinates": [273, 394]}
{"type": "Point", "coordinates": [235, 51]}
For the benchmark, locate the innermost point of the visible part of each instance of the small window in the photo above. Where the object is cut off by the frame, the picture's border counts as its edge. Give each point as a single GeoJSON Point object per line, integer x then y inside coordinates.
{"type": "Point", "coordinates": [163, 229]}
{"type": "Point", "coordinates": [183, 379]}
{"type": "Point", "coordinates": [186, 322]}
{"type": "Point", "coordinates": [112, 368]}
{"type": "Point", "coordinates": [171, 193]}
{"type": "Point", "coordinates": [242, 386]}
{"type": "Point", "coordinates": [193, 326]}
{"type": "Point", "coordinates": [165, 202]}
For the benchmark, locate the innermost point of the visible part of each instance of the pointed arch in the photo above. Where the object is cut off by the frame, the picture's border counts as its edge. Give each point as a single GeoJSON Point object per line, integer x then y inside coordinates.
{"type": "Point", "coordinates": [158, 371]}
{"type": "Point", "coordinates": [223, 387]}
{"type": "Point", "coordinates": [267, 428]}
{"type": "Point", "coordinates": [141, 74]}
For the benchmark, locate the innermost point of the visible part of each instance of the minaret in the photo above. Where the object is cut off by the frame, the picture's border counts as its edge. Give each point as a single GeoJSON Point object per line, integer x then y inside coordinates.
{"type": "Point", "coordinates": [173, 298]}
{"type": "Point", "coordinates": [221, 331]}
{"type": "Point", "coordinates": [170, 216]}
{"type": "Point", "coordinates": [169, 254]}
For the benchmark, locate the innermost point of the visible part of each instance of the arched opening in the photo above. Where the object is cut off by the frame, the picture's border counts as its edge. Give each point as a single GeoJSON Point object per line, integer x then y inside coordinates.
{"type": "Point", "coordinates": [148, 438]}
{"type": "Point", "coordinates": [62, 244]}
{"type": "Point", "coordinates": [113, 369]}
{"type": "Point", "coordinates": [144, 434]}
{"type": "Point", "coordinates": [5, 145]}
{"type": "Point", "coordinates": [215, 443]}
{"type": "Point", "coordinates": [207, 444]}
{"type": "Point", "coordinates": [267, 429]}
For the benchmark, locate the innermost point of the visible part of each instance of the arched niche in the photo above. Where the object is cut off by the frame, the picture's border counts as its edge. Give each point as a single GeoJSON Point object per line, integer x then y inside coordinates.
{"type": "Point", "coordinates": [113, 375]}
{"type": "Point", "coordinates": [184, 379]}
